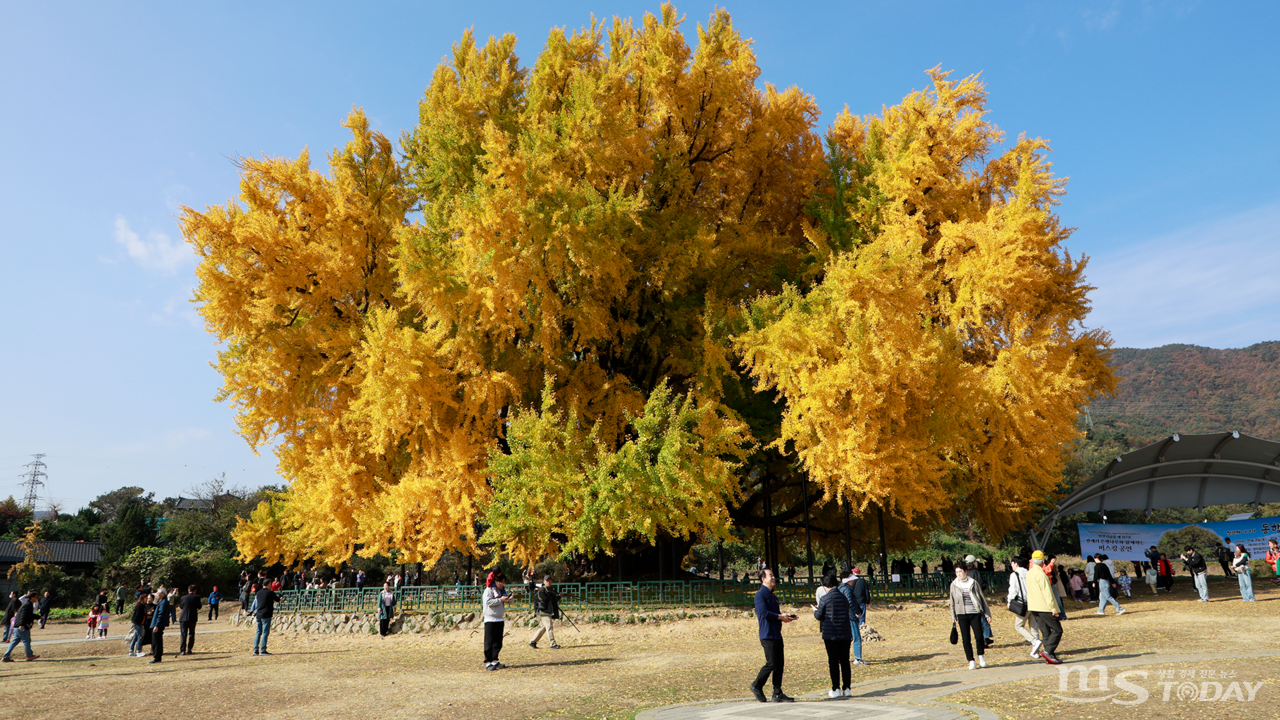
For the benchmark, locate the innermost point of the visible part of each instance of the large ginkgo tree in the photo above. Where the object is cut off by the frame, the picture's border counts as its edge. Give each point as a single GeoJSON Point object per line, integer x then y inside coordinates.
{"type": "Point", "coordinates": [629, 296]}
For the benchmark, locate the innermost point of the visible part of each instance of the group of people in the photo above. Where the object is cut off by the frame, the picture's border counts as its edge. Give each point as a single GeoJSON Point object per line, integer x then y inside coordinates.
{"type": "Point", "coordinates": [841, 610]}
{"type": "Point", "coordinates": [154, 612]}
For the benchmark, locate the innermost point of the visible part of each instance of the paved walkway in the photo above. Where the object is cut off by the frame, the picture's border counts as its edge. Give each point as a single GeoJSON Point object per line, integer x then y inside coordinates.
{"type": "Point", "coordinates": [915, 695]}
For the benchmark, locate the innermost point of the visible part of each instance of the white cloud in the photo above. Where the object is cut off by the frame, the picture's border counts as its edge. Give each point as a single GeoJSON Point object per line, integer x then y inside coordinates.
{"type": "Point", "coordinates": [1214, 285]}
{"type": "Point", "coordinates": [157, 253]}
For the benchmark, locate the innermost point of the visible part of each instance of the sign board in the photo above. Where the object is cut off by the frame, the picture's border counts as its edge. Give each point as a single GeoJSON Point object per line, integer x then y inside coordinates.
{"type": "Point", "coordinates": [1130, 542]}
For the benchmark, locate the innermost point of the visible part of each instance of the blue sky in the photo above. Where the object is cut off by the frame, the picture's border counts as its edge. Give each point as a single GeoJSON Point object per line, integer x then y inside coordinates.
{"type": "Point", "coordinates": [1162, 114]}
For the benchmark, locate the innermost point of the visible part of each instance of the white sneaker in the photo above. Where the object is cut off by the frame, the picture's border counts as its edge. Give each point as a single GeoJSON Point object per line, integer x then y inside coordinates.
{"type": "Point", "coordinates": [833, 694]}
{"type": "Point", "coordinates": [846, 692]}
{"type": "Point", "coordinates": [1101, 612]}
{"type": "Point", "coordinates": [1035, 648]}
{"type": "Point", "coordinates": [1120, 611]}
{"type": "Point", "coordinates": [982, 661]}
{"type": "Point", "coordinates": [971, 666]}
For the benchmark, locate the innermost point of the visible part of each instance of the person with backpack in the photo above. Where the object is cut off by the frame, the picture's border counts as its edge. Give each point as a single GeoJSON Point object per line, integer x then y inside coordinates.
{"type": "Point", "coordinates": [1017, 603]}
{"type": "Point", "coordinates": [858, 593]}
{"type": "Point", "coordinates": [1225, 556]}
{"type": "Point", "coordinates": [494, 603]}
{"type": "Point", "coordinates": [215, 597]}
{"type": "Point", "coordinates": [833, 612]}
{"type": "Point", "coordinates": [546, 607]}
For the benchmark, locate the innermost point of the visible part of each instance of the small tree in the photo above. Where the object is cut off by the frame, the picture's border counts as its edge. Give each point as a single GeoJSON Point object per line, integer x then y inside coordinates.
{"type": "Point", "coordinates": [31, 572]}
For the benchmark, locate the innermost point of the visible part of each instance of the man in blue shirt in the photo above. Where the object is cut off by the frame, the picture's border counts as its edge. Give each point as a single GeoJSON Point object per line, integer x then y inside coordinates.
{"type": "Point", "coordinates": [160, 620]}
{"type": "Point", "coordinates": [770, 618]}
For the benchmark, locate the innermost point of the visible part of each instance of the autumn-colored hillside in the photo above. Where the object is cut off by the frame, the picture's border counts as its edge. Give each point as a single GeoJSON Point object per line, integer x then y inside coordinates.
{"type": "Point", "coordinates": [1190, 389]}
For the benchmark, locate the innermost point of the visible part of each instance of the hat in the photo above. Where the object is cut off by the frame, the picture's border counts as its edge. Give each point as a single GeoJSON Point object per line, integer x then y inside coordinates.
{"type": "Point", "coordinates": [853, 575]}
{"type": "Point", "coordinates": [1037, 555]}
{"type": "Point", "coordinates": [970, 558]}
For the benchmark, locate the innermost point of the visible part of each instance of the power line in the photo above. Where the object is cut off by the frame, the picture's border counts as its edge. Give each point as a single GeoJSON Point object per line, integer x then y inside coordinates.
{"type": "Point", "coordinates": [33, 480]}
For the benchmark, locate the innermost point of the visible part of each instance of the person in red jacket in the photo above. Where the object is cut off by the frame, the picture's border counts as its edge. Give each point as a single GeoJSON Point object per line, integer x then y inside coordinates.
{"type": "Point", "coordinates": [1164, 573]}
{"type": "Point", "coordinates": [1273, 555]}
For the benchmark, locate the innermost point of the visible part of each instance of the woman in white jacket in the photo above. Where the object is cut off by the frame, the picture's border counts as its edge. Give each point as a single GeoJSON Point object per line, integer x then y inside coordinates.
{"type": "Point", "coordinates": [1022, 624]}
{"type": "Point", "coordinates": [494, 605]}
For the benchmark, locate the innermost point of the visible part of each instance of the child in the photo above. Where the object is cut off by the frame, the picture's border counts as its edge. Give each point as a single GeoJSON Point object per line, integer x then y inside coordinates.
{"type": "Point", "coordinates": [93, 622]}
{"type": "Point", "coordinates": [1125, 583]}
{"type": "Point", "coordinates": [1077, 587]}
{"type": "Point", "coordinates": [1152, 576]}
{"type": "Point", "coordinates": [104, 621]}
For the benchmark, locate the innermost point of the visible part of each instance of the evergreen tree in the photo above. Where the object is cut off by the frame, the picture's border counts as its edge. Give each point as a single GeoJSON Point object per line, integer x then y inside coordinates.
{"type": "Point", "coordinates": [130, 530]}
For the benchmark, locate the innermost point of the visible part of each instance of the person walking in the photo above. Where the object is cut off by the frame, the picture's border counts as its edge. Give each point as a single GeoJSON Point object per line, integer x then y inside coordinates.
{"type": "Point", "coordinates": [215, 597]}
{"type": "Point", "coordinates": [46, 603]}
{"type": "Point", "coordinates": [190, 613]}
{"type": "Point", "coordinates": [264, 602]}
{"type": "Point", "coordinates": [494, 602]}
{"type": "Point", "coordinates": [160, 619]}
{"type": "Point", "coordinates": [1090, 576]}
{"type": "Point", "coordinates": [769, 617]}
{"type": "Point", "coordinates": [857, 592]}
{"type": "Point", "coordinates": [23, 618]}
{"type": "Point", "coordinates": [121, 593]}
{"type": "Point", "coordinates": [1043, 606]}
{"type": "Point", "coordinates": [1023, 622]}
{"type": "Point", "coordinates": [139, 620]}
{"type": "Point", "coordinates": [1199, 572]}
{"type": "Point", "coordinates": [1104, 579]}
{"type": "Point", "coordinates": [968, 608]}
{"type": "Point", "coordinates": [546, 607]}
{"type": "Point", "coordinates": [386, 609]}
{"type": "Point", "coordinates": [833, 612]}
{"type": "Point", "coordinates": [1243, 572]}
{"type": "Point", "coordinates": [1224, 556]}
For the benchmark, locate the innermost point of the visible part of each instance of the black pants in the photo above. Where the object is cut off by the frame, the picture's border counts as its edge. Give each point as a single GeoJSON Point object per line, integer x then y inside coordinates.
{"type": "Point", "coordinates": [971, 623]}
{"type": "Point", "coordinates": [1226, 569]}
{"type": "Point", "coordinates": [385, 622]}
{"type": "Point", "coordinates": [774, 662]}
{"type": "Point", "coordinates": [186, 636]}
{"type": "Point", "coordinates": [1165, 581]}
{"type": "Point", "coordinates": [120, 606]}
{"type": "Point", "coordinates": [838, 662]}
{"type": "Point", "coordinates": [157, 643]}
{"type": "Point", "coordinates": [493, 641]}
{"type": "Point", "coordinates": [1050, 631]}
{"type": "Point", "coordinates": [213, 611]}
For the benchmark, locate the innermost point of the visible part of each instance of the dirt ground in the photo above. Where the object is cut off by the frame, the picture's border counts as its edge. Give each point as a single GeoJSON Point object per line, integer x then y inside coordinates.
{"type": "Point", "coordinates": [609, 671]}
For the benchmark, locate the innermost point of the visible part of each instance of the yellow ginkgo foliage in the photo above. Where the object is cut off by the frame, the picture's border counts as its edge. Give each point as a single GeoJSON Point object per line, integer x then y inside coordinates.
{"type": "Point", "coordinates": [936, 362]}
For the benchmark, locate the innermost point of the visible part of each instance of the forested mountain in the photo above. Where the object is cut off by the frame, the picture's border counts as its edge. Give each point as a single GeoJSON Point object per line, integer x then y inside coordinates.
{"type": "Point", "coordinates": [1190, 389]}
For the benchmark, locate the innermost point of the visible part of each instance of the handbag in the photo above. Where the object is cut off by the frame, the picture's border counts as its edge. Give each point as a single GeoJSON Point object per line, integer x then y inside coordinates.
{"type": "Point", "coordinates": [1018, 606]}
{"type": "Point", "coordinates": [955, 634]}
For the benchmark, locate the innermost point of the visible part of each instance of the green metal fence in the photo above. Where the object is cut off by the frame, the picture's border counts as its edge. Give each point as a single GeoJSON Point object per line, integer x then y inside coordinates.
{"type": "Point", "coordinates": [616, 595]}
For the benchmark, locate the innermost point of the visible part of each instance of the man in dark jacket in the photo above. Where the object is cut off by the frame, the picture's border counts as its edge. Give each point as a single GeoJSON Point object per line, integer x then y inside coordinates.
{"type": "Point", "coordinates": [266, 600]}
{"type": "Point", "coordinates": [546, 606]}
{"type": "Point", "coordinates": [46, 604]}
{"type": "Point", "coordinates": [23, 619]}
{"type": "Point", "coordinates": [15, 602]}
{"type": "Point", "coordinates": [1199, 572]}
{"type": "Point", "coordinates": [190, 613]}
{"type": "Point", "coordinates": [770, 618]}
{"type": "Point", "coordinates": [160, 620]}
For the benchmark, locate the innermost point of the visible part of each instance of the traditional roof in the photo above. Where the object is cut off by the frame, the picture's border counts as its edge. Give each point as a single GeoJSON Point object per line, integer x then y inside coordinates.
{"type": "Point", "coordinates": [62, 552]}
{"type": "Point", "coordinates": [1192, 471]}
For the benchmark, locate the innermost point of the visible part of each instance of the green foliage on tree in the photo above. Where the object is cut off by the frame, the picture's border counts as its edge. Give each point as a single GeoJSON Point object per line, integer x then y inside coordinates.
{"type": "Point", "coordinates": [131, 529]}
{"type": "Point", "coordinates": [1175, 542]}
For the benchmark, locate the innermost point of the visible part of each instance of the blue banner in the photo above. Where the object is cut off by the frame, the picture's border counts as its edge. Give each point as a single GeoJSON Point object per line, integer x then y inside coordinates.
{"type": "Point", "coordinates": [1130, 542]}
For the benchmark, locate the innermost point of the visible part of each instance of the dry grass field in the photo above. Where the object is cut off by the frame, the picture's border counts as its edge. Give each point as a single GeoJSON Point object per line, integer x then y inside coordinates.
{"type": "Point", "coordinates": [608, 671]}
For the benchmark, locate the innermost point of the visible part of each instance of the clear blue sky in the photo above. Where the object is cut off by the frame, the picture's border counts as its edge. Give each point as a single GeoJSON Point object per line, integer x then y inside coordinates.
{"type": "Point", "coordinates": [1164, 115]}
